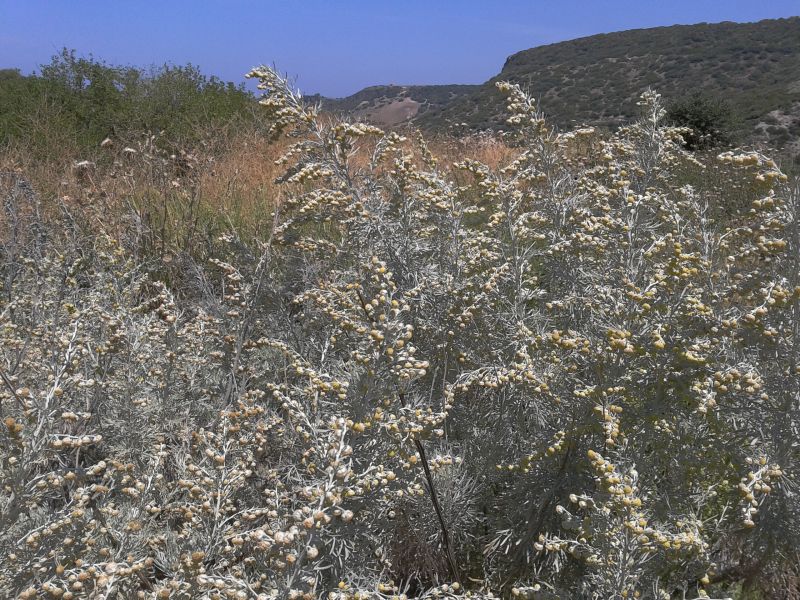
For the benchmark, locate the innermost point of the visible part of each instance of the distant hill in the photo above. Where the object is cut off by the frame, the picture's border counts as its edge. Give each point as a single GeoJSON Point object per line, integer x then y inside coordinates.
{"type": "Point", "coordinates": [597, 80]}
{"type": "Point", "coordinates": [391, 105]}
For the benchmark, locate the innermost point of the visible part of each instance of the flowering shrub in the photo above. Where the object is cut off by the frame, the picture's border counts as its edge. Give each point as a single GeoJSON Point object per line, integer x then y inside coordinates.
{"type": "Point", "coordinates": [571, 376]}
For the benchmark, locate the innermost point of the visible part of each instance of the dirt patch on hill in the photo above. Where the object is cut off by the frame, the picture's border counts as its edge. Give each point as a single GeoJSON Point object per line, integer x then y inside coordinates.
{"type": "Point", "coordinates": [393, 113]}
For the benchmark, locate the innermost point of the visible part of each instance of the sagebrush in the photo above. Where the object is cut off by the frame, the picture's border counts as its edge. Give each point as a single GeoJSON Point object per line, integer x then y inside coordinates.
{"type": "Point", "coordinates": [573, 375]}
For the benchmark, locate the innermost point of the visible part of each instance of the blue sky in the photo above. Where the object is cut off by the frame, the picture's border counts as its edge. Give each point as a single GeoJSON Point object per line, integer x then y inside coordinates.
{"type": "Point", "coordinates": [336, 47]}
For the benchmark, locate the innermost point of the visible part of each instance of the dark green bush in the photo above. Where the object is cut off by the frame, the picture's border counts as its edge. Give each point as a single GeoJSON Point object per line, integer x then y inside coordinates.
{"type": "Point", "coordinates": [711, 120]}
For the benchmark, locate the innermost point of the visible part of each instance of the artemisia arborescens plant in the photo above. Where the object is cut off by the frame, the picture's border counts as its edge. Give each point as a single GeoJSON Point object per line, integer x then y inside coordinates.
{"type": "Point", "coordinates": [573, 376]}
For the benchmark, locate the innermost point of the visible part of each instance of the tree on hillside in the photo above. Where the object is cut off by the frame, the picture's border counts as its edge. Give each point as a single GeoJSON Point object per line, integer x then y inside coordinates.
{"type": "Point", "coordinates": [711, 120]}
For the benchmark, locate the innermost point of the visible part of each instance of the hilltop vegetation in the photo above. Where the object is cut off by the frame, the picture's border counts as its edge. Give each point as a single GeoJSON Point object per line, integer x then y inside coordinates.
{"type": "Point", "coordinates": [755, 66]}
{"type": "Point", "coordinates": [597, 80]}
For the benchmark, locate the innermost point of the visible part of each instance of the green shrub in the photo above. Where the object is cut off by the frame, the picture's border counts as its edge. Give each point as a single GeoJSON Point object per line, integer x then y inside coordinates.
{"type": "Point", "coordinates": [711, 121]}
{"type": "Point", "coordinates": [77, 102]}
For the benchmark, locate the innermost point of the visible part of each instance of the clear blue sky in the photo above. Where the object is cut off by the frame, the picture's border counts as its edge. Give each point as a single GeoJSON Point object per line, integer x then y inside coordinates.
{"type": "Point", "coordinates": [336, 47]}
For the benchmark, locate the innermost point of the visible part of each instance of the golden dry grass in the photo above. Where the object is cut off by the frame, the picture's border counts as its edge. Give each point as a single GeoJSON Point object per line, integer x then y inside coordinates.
{"type": "Point", "coordinates": [179, 202]}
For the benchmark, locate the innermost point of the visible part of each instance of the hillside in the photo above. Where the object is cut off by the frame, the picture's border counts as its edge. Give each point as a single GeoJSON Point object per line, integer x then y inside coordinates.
{"type": "Point", "coordinates": [395, 104]}
{"type": "Point", "coordinates": [598, 79]}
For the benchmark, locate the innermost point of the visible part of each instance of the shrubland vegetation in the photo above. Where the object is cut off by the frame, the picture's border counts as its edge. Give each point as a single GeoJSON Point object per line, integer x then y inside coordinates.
{"type": "Point", "coordinates": [596, 79]}
{"type": "Point", "coordinates": [74, 103]}
{"type": "Point", "coordinates": [338, 365]}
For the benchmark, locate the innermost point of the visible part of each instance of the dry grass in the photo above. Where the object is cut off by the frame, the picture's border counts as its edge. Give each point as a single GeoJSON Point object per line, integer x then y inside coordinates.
{"type": "Point", "coordinates": [164, 201]}
{"type": "Point", "coordinates": [177, 201]}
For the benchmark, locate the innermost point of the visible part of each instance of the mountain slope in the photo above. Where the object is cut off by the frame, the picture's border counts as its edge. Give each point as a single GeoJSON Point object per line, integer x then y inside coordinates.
{"type": "Point", "coordinates": [598, 79]}
{"type": "Point", "coordinates": [395, 104]}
